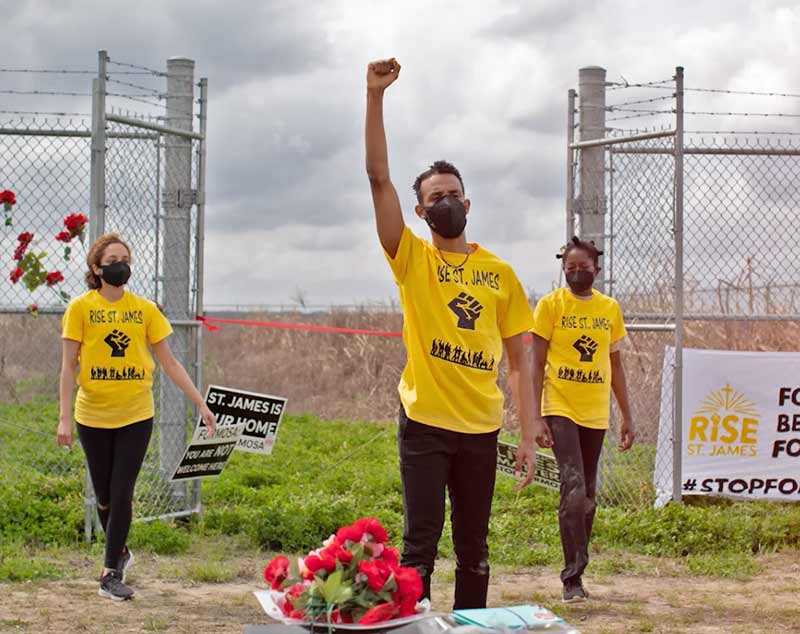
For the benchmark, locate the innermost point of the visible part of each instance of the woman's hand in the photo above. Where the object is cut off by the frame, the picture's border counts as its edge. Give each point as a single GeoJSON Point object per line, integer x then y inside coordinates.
{"type": "Point", "coordinates": [209, 419]}
{"type": "Point", "coordinates": [64, 433]}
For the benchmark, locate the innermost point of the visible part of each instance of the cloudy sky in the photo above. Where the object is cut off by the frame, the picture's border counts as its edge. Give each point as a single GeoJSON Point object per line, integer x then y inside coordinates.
{"type": "Point", "coordinates": [483, 85]}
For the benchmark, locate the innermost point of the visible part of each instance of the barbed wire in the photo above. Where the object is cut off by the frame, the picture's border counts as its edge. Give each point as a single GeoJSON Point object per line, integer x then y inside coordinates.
{"type": "Point", "coordinates": [48, 71]}
{"type": "Point", "coordinates": [136, 115]}
{"type": "Point", "coordinates": [53, 114]}
{"type": "Point", "coordinates": [743, 92]}
{"type": "Point", "coordinates": [750, 132]}
{"type": "Point", "coordinates": [638, 115]}
{"type": "Point", "coordinates": [44, 92]}
{"type": "Point", "coordinates": [742, 114]}
{"type": "Point", "coordinates": [644, 111]}
{"type": "Point", "coordinates": [650, 84]}
{"type": "Point", "coordinates": [137, 87]}
{"type": "Point", "coordinates": [135, 98]}
{"type": "Point", "coordinates": [617, 106]}
{"type": "Point", "coordinates": [137, 67]}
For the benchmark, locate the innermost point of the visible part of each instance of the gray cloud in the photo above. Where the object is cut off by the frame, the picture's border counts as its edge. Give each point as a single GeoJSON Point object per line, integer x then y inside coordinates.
{"type": "Point", "coordinates": [288, 201]}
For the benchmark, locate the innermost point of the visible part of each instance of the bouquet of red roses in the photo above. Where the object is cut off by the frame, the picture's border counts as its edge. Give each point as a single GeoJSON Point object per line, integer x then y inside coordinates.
{"type": "Point", "coordinates": [354, 578]}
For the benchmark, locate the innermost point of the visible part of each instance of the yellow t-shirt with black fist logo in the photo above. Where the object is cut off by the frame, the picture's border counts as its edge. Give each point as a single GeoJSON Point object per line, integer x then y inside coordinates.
{"type": "Point", "coordinates": [457, 310]}
{"type": "Point", "coordinates": [581, 332]}
{"type": "Point", "coordinates": [115, 380]}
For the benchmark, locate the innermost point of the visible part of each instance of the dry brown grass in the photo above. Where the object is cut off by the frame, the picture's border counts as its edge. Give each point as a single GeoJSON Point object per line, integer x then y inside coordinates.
{"type": "Point", "coordinates": [353, 377]}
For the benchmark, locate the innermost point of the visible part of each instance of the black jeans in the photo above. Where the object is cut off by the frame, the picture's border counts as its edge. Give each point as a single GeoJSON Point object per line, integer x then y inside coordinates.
{"type": "Point", "coordinates": [577, 450]}
{"type": "Point", "coordinates": [432, 459]}
{"type": "Point", "coordinates": [114, 457]}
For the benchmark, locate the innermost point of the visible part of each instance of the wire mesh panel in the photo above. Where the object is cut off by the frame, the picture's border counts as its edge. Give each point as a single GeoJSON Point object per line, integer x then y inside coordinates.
{"type": "Point", "coordinates": [742, 250]}
{"type": "Point", "coordinates": [46, 164]}
{"type": "Point", "coordinates": [162, 232]}
{"type": "Point", "coordinates": [640, 257]}
{"type": "Point", "coordinates": [641, 223]}
{"type": "Point", "coordinates": [700, 233]}
{"type": "Point", "coordinates": [148, 193]}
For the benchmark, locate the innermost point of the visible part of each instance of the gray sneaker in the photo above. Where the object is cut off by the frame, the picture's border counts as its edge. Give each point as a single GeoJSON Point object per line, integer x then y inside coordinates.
{"type": "Point", "coordinates": [111, 587]}
{"type": "Point", "coordinates": [574, 592]}
{"type": "Point", "coordinates": [124, 563]}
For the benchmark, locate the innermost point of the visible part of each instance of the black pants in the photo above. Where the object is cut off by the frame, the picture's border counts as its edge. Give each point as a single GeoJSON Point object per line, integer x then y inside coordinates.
{"type": "Point", "coordinates": [432, 459]}
{"type": "Point", "coordinates": [577, 450]}
{"type": "Point", "coordinates": [114, 457]}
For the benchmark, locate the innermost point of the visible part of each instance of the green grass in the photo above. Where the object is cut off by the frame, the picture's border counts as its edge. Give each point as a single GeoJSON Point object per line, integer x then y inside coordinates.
{"type": "Point", "coordinates": [326, 474]}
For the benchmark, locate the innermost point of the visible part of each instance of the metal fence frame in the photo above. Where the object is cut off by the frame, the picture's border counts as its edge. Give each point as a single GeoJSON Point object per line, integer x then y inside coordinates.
{"type": "Point", "coordinates": [593, 167]}
{"type": "Point", "coordinates": [171, 158]}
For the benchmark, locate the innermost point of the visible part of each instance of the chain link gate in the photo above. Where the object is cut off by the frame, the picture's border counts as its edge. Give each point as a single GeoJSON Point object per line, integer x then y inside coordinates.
{"type": "Point", "coordinates": [701, 246]}
{"type": "Point", "coordinates": [137, 174]}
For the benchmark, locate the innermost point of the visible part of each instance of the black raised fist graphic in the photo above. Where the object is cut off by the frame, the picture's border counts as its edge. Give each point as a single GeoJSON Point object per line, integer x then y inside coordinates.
{"type": "Point", "coordinates": [467, 309]}
{"type": "Point", "coordinates": [118, 342]}
{"type": "Point", "coordinates": [587, 347]}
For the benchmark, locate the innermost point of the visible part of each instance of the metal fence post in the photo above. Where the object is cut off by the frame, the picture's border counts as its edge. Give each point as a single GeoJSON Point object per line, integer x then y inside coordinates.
{"type": "Point", "coordinates": [200, 253]}
{"type": "Point", "coordinates": [176, 255]}
{"type": "Point", "coordinates": [97, 213]}
{"type": "Point", "coordinates": [97, 221]}
{"type": "Point", "coordinates": [677, 414]}
{"type": "Point", "coordinates": [591, 199]}
{"type": "Point", "coordinates": [570, 164]}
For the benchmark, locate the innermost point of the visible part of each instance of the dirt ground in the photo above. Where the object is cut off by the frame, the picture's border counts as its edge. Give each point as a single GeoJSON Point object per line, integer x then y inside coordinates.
{"type": "Point", "coordinates": [647, 595]}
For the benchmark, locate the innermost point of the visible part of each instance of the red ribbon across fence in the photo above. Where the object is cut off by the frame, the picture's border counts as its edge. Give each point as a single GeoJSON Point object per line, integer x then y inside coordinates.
{"type": "Point", "coordinates": [211, 324]}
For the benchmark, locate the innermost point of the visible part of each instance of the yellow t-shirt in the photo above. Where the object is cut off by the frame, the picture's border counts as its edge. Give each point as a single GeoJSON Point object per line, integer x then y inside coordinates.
{"type": "Point", "coordinates": [116, 369]}
{"type": "Point", "coordinates": [577, 380]}
{"type": "Point", "coordinates": [455, 320]}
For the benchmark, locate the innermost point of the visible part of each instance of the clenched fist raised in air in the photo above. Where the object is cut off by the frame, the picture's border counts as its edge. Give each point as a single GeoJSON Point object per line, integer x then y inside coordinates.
{"type": "Point", "coordinates": [382, 73]}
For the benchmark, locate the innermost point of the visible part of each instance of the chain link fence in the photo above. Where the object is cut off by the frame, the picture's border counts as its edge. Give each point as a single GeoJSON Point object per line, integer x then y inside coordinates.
{"type": "Point", "coordinates": [700, 246]}
{"type": "Point", "coordinates": [149, 189]}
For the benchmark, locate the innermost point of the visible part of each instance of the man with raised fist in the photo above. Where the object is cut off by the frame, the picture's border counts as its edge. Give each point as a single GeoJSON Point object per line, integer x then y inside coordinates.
{"type": "Point", "coordinates": [462, 306]}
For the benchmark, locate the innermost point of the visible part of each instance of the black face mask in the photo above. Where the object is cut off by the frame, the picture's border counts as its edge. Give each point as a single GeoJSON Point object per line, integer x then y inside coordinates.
{"type": "Point", "coordinates": [116, 273]}
{"type": "Point", "coordinates": [447, 217]}
{"type": "Point", "coordinates": [580, 281]}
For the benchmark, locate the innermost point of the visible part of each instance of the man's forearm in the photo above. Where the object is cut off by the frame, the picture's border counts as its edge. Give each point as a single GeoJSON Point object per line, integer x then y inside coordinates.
{"type": "Point", "coordinates": [377, 152]}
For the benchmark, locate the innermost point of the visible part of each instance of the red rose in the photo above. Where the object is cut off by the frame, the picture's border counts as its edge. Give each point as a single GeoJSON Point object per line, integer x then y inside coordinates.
{"type": "Point", "coordinates": [75, 223]}
{"type": "Point", "coordinates": [64, 236]}
{"type": "Point", "coordinates": [348, 534]}
{"type": "Point", "coordinates": [378, 614]}
{"type": "Point", "coordinates": [25, 237]}
{"type": "Point", "coordinates": [367, 527]}
{"type": "Point", "coordinates": [377, 572]}
{"type": "Point", "coordinates": [391, 556]}
{"type": "Point", "coordinates": [54, 278]}
{"type": "Point", "coordinates": [33, 309]}
{"type": "Point", "coordinates": [323, 561]}
{"type": "Point", "coordinates": [335, 550]}
{"type": "Point", "coordinates": [276, 571]}
{"type": "Point", "coordinates": [15, 276]}
{"type": "Point", "coordinates": [290, 598]}
{"type": "Point", "coordinates": [7, 197]}
{"type": "Point", "coordinates": [409, 590]}
{"type": "Point", "coordinates": [373, 528]}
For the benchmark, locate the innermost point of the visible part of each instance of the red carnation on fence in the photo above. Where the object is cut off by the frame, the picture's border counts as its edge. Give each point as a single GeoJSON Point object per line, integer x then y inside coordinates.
{"type": "Point", "coordinates": [76, 228]}
{"type": "Point", "coordinates": [354, 578]}
{"type": "Point", "coordinates": [8, 200]}
{"type": "Point", "coordinates": [29, 264]}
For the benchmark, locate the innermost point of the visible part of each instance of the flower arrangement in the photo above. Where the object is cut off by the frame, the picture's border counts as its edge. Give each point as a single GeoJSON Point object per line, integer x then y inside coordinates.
{"type": "Point", "coordinates": [354, 578]}
{"type": "Point", "coordinates": [29, 265]}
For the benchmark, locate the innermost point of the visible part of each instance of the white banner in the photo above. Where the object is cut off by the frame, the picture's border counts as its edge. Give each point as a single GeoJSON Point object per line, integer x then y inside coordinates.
{"type": "Point", "coordinates": [741, 425]}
